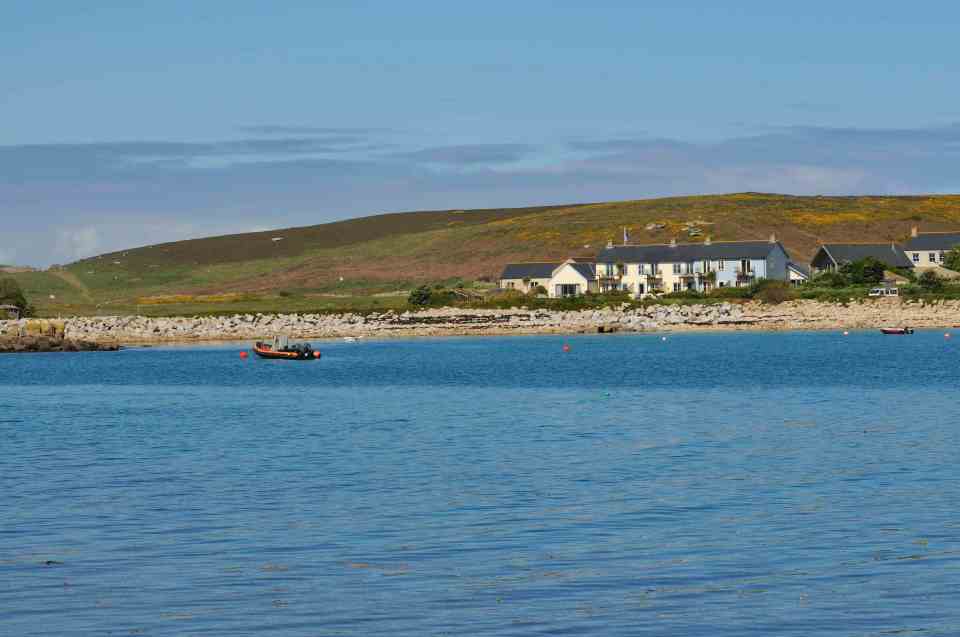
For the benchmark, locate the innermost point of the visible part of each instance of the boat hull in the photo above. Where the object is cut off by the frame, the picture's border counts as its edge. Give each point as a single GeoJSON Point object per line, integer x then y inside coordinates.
{"type": "Point", "coordinates": [266, 352]}
{"type": "Point", "coordinates": [896, 331]}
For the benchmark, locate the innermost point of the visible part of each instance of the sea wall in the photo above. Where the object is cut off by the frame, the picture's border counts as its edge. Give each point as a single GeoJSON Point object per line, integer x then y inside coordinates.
{"type": "Point", "coordinates": [452, 321]}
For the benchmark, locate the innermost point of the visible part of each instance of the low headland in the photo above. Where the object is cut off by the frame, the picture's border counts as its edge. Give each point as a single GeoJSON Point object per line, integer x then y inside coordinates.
{"type": "Point", "coordinates": [751, 315]}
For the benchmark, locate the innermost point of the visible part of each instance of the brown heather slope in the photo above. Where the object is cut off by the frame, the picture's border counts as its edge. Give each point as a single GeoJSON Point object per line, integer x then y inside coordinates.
{"type": "Point", "coordinates": [395, 250]}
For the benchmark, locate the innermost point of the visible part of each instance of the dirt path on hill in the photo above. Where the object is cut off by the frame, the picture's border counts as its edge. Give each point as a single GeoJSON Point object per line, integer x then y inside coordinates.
{"type": "Point", "coordinates": [73, 281]}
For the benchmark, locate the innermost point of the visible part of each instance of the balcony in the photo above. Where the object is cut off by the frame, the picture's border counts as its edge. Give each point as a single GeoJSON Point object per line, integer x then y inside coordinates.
{"type": "Point", "coordinates": [745, 275]}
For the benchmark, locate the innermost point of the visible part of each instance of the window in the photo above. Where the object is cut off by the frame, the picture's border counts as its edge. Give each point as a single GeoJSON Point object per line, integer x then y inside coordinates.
{"type": "Point", "coordinates": [943, 257]}
{"type": "Point", "coordinates": [676, 285]}
{"type": "Point", "coordinates": [621, 269]}
{"type": "Point", "coordinates": [916, 257]}
{"type": "Point", "coordinates": [933, 257]}
{"type": "Point", "coordinates": [745, 265]}
{"type": "Point", "coordinates": [676, 270]}
{"type": "Point", "coordinates": [720, 265]}
{"type": "Point", "coordinates": [511, 285]}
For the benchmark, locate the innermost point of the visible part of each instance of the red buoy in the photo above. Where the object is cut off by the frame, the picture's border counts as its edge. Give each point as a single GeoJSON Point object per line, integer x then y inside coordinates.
{"type": "Point", "coordinates": [243, 355]}
{"type": "Point", "coordinates": [566, 347]}
{"type": "Point", "coordinates": [316, 354]}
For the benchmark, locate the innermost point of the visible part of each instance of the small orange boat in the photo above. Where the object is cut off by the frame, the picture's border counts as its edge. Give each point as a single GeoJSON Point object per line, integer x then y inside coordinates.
{"type": "Point", "coordinates": [282, 349]}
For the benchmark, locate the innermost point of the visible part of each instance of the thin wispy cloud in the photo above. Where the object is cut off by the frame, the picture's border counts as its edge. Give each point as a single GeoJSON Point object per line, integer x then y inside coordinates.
{"type": "Point", "coordinates": [470, 154]}
{"type": "Point", "coordinates": [134, 193]}
{"type": "Point", "coordinates": [270, 129]}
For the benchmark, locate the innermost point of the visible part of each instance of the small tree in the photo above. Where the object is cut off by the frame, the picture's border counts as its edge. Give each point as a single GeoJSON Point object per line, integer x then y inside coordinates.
{"type": "Point", "coordinates": [866, 271]}
{"type": "Point", "coordinates": [951, 259]}
{"type": "Point", "coordinates": [930, 281]}
{"type": "Point", "coordinates": [12, 294]}
{"type": "Point", "coordinates": [420, 296]}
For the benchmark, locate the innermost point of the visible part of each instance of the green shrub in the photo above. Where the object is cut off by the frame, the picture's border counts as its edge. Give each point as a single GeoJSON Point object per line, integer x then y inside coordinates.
{"type": "Point", "coordinates": [684, 294]}
{"type": "Point", "coordinates": [772, 291]}
{"type": "Point", "coordinates": [730, 292]}
{"type": "Point", "coordinates": [829, 280]}
{"type": "Point", "coordinates": [951, 259]}
{"type": "Point", "coordinates": [930, 281]}
{"type": "Point", "coordinates": [421, 296]}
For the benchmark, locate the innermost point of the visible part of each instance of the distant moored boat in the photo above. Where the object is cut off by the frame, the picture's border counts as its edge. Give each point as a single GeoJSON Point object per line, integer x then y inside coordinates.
{"type": "Point", "coordinates": [897, 330]}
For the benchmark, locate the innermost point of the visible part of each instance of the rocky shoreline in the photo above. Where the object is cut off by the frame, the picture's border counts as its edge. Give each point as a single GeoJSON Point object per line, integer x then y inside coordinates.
{"type": "Point", "coordinates": [792, 315]}
{"type": "Point", "coordinates": [40, 344]}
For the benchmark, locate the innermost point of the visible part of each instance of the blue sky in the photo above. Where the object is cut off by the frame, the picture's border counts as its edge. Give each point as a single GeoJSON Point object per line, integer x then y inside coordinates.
{"type": "Point", "coordinates": [126, 125]}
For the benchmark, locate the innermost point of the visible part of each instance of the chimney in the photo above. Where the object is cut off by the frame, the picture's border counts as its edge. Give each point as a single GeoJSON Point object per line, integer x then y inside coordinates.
{"type": "Point", "coordinates": [707, 241]}
{"type": "Point", "coordinates": [914, 231]}
{"type": "Point", "coordinates": [673, 243]}
{"type": "Point", "coordinates": [773, 237]}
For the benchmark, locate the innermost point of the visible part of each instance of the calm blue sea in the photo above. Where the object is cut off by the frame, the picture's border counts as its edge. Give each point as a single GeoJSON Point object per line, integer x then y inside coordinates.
{"type": "Point", "coordinates": [709, 484]}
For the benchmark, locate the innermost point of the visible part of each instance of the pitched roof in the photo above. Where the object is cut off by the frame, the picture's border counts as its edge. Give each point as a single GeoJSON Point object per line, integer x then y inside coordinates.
{"type": "Point", "coordinates": [528, 270]}
{"type": "Point", "coordinates": [588, 270]}
{"type": "Point", "coordinates": [683, 252]}
{"type": "Point", "coordinates": [889, 254]}
{"type": "Point", "coordinates": [802, 269]}
{"type": "Point", "coordinates": [933, 241]}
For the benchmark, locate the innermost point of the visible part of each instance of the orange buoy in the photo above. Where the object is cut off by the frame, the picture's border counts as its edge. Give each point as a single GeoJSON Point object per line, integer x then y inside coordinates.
{"type": "Point", "coordinates": [243, 355]}
{"type": "Point", "coordinates": [566, 347]}
{"type": "Point", "coordinates": [316, 354]}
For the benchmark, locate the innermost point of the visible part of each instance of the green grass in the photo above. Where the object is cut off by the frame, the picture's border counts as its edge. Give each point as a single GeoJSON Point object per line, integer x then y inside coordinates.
{"type": "Point", "coordinates": [364, 257]}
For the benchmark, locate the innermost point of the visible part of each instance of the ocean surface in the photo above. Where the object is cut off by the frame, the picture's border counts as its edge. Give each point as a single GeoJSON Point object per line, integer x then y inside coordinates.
{"type": "Point", "coordinates": [706, 484]}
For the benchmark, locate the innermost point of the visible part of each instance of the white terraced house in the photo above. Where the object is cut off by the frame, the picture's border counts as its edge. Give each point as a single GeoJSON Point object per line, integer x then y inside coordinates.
{"type": "Point", "coordinates": [928, 249]}
{"type": "Point", "coordinates": [643, 270]}
{"type": "Point", "coordinates": [572, 277]}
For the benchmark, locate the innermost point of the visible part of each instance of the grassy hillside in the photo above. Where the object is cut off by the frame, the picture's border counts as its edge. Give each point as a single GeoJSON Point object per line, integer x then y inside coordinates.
{"type": "Point", "coordinates": [347, 263]}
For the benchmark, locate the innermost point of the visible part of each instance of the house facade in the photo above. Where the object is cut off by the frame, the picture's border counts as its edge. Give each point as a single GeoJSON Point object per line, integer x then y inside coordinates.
{"type": "Point", "coordinates": [569, 278]}
{"type": "Point", "coordinates": [928, 249]}
{"type": "Point", "coordinates": [526, 277]}
{"type": "Point", "coordinates": [642, 270]}
{"type": "Point", "coordinates": [830, 257]}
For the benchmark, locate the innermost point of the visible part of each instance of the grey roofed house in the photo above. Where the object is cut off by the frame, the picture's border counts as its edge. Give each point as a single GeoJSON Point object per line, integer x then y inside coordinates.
{"type": "Point", "coordinates": [933, 241]}
{"type": "Point", "coordinates": [834, 255]}
{"type": "Point", "coordinates": [799, 267]}
{"type": "Point", "coordinates": [687, 252]}
{"type": "Point", "coordinates": [528, 270]}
